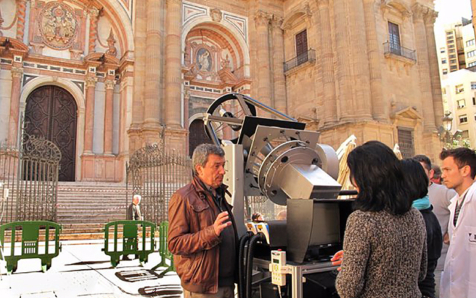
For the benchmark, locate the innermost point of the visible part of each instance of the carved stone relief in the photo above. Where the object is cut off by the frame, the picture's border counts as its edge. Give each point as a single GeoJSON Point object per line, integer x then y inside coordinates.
{"type": "Point", "coordinates": [58, 25]}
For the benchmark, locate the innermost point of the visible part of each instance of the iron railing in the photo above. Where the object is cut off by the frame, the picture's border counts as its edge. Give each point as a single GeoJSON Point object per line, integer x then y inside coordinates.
{"type": "Point", "coordinates": [30, 173]}
{"type": "Point", "coordinates": [156, 173]}
{"type": "Point", "coordinates": [310, 56]}
{"type": "Point", "coordinates": [395, 49]}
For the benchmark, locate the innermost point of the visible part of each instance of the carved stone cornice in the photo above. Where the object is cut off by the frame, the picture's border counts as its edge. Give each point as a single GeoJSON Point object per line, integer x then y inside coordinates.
{"type": "Point", "coordinates": [430, 17]}
{"type": "Point", "coordinates": [17, 72]}
{"type": "Point", "coordinates": [277, 22]}
{"type": "Point", "coordinates": [419, 11]}
{"type": "Point", "coordinates": [110, 84]}
{"type": "Point", "coordinates": [262, 18]}
{"type": "Point", "coordinates": [91, 81]}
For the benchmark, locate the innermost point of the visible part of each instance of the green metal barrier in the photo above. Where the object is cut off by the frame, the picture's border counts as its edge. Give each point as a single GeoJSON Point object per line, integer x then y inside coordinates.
{"type": "Point", "coordinates": [131, 242]}
{"type": "Point", "coordinates": [30, 243]}
{"type": "Point", "coordinates": [165, 254]}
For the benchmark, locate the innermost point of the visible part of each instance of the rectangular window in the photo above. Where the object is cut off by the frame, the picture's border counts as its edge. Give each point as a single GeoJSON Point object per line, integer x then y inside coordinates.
{"type": "Point", "coordinates": [394, 38]}
{"type": "Point", "coordinates": [443, 60]}
{"type": "Point", "coordinates": [471, 64]}
{"type": "Point", "coordinates": [461, 103]}
{"type": "Point", "coordinates": [463, 119]}
{"type": "Point", "coordinates": [470, 43]}
{"type": "Point", "coordinates": [471, 53]}
{"type": "Point", "coordinates": [465, 133]}
{"type": "Point", "coordinates": [452, 56]}
{"type": "Point", "coordinates": [301, 47]}
{"type": "Point", "coordinates": [406, 142]}
{"type": "Point", "coordinates": [451, 51]}
{"type": "Point", "coordinates": [445, 71]}
{"type": "Point", "coordinates": [453, 61]}
{"type": "Point", "coordinates": [473, 85]}
{"type": "Point", "coordinates": [459, 89]}
{"type": "Point", "coordinates": [474, 101]}
{"type": "Point", "coordinates": [451, 46]}
{"type": "Point", "coordinates": [442, 50]}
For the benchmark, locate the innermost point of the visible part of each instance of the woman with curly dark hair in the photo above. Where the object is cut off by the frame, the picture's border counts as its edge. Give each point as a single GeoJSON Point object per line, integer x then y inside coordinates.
{"type": "Point", "coordinates": [384, 253]}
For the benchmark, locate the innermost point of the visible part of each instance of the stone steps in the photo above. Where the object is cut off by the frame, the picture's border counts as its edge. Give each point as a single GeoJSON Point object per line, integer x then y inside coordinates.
{"type": "Point", "coordinates": [85, 207]}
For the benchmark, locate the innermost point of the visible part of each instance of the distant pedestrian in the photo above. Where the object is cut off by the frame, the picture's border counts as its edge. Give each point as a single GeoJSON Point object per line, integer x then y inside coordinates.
{"type": "Point", "coordinates": [257, 217]}
{"type": "Point", "coordinates": [133, 212]}
{"type": "Point", "coordinates": [436, 174]}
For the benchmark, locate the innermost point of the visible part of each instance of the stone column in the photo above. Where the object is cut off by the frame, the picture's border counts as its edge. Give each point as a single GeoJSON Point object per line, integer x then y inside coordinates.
{"type": "Point", "coordinates": [93, 28]}
{"type": "Point", "coordinates": [262, 20]}
{"type": "Point", "coordinates": [17, 73]}
{"type": "Point", "coordinates": [139, 76]}
{"type": "Point", "coordinates": [327, 56]}
{"type": "Point", "coordinates": [152, 98]}
{"type": "Point", "coordinates": [108, 115]}
{"type": "Point", "coordinates": [344, 62]}
{"type": "Point", "coordinates": [21, 9]}
{"type": "Point", "coordinates": [89, 114]}
{"type": "Point", "coordinates": [378, 103]}
{"type": "Point", "coordinates": [361, 72]}
{"type": "Point", "coordinates": [278, 69]}
{"type": "Point", "coordinates": [434, 70]}
{"type": "Point", "coordinates": [173, 64]}
{"type": "Point", "coordinates": [419, 12]}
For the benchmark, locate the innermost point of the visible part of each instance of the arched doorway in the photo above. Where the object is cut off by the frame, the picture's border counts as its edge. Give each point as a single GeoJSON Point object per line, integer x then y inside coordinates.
{"type": "Point", "coordinates": [197, 135]}
{"type": "Point", "coordinates": [51, 112]}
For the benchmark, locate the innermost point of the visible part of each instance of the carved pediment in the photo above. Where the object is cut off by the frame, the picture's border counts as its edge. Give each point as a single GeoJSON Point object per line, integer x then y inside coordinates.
{"type": "Point", "coordinates": [407, 113]}
{"type": "Point", "coordinates": [226, 76]}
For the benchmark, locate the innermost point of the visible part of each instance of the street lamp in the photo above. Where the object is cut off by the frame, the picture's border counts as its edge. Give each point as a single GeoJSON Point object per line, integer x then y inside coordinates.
{"type": "Point", "coordinates": [447, 121]}
{"type": "Point", "coordinates": [445, 130]}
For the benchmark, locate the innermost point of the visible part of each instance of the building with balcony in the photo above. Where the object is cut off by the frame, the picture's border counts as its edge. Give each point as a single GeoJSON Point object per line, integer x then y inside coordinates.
{"type": "Point", "coordinates": [459, 98]}
{"type": "Point", "coordinates": [456, 47]}
{"type": "Point", "coordinates": [102, 78]}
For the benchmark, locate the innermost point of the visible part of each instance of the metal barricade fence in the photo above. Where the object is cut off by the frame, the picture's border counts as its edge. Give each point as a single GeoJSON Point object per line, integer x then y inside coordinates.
{"type": "Point", "coordinates": [35, 239]}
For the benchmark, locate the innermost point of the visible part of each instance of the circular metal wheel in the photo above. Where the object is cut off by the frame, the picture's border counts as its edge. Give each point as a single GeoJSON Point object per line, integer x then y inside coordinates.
{"type": "Point", "coordinates": [229, 105]}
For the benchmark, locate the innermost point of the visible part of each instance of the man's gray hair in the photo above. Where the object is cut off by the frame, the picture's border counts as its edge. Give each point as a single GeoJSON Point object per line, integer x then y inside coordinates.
{"type": "Point", "coordinates": [201, 153]}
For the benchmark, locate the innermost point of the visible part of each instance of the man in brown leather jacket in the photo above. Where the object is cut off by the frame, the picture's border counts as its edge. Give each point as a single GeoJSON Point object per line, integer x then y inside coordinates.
{"type": "Point", "coordinates": [202, 232]}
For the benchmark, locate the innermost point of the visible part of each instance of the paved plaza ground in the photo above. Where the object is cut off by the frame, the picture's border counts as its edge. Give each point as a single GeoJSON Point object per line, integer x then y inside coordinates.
{"type": "Point", "coordinates": [83, 270]}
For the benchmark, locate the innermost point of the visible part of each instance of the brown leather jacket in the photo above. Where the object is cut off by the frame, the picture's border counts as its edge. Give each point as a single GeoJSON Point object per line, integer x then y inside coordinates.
{"type": "Point", "coordinates": [192, 239]}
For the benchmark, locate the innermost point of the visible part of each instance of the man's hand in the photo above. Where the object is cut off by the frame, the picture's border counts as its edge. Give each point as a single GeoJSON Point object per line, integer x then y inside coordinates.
{"type": "Point", "coordinates": [221, 222]}
{"type": "Point", "coordinates": [337, 259]}
{"type": "Point", "coordinates": [446, 238]}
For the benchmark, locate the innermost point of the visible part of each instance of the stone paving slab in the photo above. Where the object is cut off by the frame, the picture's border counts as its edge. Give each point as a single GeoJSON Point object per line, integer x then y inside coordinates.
{"type": "Point", "coordinates": [81, 270]}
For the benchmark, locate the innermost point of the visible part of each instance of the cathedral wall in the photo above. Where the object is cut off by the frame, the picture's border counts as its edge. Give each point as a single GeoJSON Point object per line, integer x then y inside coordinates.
{"type": "Point", "coordinates": [6, 90]}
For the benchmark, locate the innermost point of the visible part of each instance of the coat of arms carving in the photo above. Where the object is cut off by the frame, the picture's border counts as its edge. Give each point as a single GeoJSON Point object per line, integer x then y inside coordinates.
{"type": "Point", "coordinates": [58, 25]}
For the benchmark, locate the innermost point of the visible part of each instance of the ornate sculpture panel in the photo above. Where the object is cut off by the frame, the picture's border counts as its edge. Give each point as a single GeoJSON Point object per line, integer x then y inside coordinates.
{"type": "Point", "coordinates": [58, 25]}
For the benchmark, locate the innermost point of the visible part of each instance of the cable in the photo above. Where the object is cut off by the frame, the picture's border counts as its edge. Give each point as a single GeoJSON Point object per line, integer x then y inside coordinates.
{"type": "Point", "coordinates": [249, 262]}
{"type": "Point", "coordinates": [241, 263]}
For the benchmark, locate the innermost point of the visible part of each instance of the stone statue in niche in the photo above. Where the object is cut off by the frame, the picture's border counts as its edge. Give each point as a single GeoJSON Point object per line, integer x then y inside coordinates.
{"type": "Point", "coordinates": [110, 44]}
{"type": "Point", "coordinates": [225, 63]}
{"type": "Point", "coordinates": [204, 60]}
{"type": "Point", "coordinates": [58, 25]}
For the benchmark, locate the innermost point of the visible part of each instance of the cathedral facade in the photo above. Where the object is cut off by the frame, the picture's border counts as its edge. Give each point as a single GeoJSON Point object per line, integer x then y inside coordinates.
{"type": "Point", "coordinates": [103, 78]}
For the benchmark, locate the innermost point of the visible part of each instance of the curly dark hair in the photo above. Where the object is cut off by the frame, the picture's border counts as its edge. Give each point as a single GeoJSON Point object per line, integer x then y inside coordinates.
{"type": "Point", "coordinates": [378, 174]}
